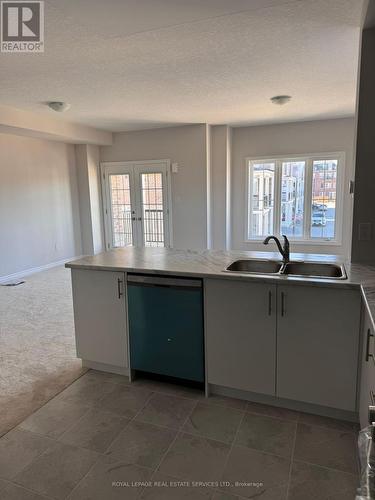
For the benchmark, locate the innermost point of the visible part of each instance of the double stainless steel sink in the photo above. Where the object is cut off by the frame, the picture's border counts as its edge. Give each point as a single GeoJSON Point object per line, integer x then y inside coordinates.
{"type": "Point", "coordinates": [293, 268]}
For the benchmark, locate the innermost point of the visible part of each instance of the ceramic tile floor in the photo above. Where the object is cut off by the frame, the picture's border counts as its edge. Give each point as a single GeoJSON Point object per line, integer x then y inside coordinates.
{"type": "Point", "coordinates": [103, 438]}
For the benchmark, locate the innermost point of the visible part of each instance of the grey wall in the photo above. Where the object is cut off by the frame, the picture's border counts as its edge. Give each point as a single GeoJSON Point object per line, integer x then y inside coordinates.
{"type": "Point", "coordinates": [185, 145]}
{"type": "Point", "coordinates": [290, 139]}
{"type": "Point", "coordinates": [39, 214]}
{"type": "Point", "coordinates": [364, 198]}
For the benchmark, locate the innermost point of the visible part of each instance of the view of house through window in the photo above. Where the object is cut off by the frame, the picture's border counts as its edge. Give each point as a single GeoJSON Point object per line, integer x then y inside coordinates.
{"type": "Point", "coordinates": [292, 197]}
{"type": "Point", "coordinates": [323, 209]}
{"type": "Point", "coordinates": [295, 197]}
{"type": "Point", "coordinates": [263, 198]}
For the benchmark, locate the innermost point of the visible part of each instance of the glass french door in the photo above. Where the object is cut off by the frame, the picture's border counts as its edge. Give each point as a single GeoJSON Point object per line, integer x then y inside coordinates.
{"type": "Point", "coordinates": [136, 204]}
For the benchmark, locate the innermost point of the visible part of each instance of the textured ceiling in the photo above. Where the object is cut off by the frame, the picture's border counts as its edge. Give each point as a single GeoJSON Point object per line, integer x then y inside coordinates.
{"type": "Point", "coordinates": [129, 64]}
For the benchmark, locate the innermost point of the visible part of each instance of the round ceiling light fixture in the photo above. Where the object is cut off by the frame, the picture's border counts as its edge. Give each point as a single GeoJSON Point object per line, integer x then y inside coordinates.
{"type": "Point", "coordinates": [58, 106]}
{"type": "Point", "coordinates": [280, 100]}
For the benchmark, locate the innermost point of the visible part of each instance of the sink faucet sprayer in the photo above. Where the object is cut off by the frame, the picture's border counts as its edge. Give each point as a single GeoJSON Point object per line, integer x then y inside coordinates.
{"type": "Point", "coordinates": [284, 250]}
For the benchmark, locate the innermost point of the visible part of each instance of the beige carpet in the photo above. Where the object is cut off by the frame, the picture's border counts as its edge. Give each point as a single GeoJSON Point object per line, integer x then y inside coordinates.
{"type": "Point", "coordinates": [37, 349]}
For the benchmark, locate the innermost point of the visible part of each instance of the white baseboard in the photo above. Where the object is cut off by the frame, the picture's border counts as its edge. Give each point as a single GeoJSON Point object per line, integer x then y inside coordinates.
{"type": "Point", "coordinates": [33, 270]}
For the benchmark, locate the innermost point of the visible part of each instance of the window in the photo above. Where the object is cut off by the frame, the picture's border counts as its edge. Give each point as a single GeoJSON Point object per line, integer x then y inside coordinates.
{"type": "Point", "coordinates": [292, 197]}
{"type": "Point", "coordinates": [263, 198]}
{"type": "Point", "coordinates": [136, 203]}
{"type": "Point", "coordinates": [296, 197]}
{"type": "Point", "coordinates": [121, 210]}
{"type": "Point", "coordinates": [153, 209]}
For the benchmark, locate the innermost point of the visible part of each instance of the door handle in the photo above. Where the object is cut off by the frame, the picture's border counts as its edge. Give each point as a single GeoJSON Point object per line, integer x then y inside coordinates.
{"type": "Point", "coordinates": [119, 286]}
{"type": "Point", "coordinates": [369, 335]}
{"type": "Point", "coordinates": [269, 303]}
{"type": "Point", "coordinates": [283, 304]}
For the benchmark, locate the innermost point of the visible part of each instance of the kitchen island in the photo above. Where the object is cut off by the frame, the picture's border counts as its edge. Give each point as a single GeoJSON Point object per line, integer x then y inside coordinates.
{"type": "Point", "coordinates": [284, 340]}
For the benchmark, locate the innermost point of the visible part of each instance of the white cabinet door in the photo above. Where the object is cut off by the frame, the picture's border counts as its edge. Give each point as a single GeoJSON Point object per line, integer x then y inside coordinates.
{"type": "Point", "coordinates": [367, 387]}
{"type": "Point", "coordinates": [100, 316]}
{"type": "Point", "coordinates": [317, 343]}
{"type": "Point", "coordinates": [241, 335]}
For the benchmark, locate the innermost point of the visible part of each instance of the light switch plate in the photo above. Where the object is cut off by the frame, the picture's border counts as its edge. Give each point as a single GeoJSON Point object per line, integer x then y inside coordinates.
{"type": "Point", "coordinates": [174, 168]}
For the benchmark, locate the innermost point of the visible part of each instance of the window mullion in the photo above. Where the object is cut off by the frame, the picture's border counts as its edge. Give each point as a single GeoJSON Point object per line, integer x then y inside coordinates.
{"type": "Point", "coordinates": [249, 201]}
{"type": "Point", "coordinates": [308, 200]}
{"type": "Point", "coordinates": [277, 210]}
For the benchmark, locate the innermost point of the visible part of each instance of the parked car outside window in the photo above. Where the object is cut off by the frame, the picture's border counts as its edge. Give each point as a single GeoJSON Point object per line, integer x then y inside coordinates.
{"type": "Point", "coordinates": [319, 219]}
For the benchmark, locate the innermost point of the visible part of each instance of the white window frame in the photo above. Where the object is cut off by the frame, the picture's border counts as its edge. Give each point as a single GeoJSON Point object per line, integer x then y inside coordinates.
{"type": "Point", "coordinates": [143, 166]}
{"type": "Point", "coordinates": [309, 159]}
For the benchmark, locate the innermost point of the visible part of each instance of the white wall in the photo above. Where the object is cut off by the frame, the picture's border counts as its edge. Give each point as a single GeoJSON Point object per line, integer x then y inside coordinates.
{"type": "Point", "coordinates": [39, 213]}
{"type": "Point", "coordinates": [188, 145]}
{"type": "Point", "coordinates": [93, 165]}
{"type": "Point", "coordinates": [290, 139]}
{"type": "Point", "coordinates": [185, 145]}
{"type": "Point", "coordinates": [84, 199]}
{"type": "Point", "coordinates": [220, 186]}
{"type": "Point", "coordinates": [90, 201]}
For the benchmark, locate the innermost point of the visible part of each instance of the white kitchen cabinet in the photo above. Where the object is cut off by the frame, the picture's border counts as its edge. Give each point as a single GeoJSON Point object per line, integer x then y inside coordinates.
{"type": "Point", "coordinates": [241, 335]}
{"type": "Point", "coordinates": [367, 386]}
{"type": "Point", "coordinates": [100, 317]}
{"type": "Point", "coordinates": [317, 345]}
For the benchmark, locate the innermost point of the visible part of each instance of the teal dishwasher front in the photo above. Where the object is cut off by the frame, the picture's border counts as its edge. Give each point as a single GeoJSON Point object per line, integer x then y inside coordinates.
{"type": "Point", "coordinates": [166, 326]}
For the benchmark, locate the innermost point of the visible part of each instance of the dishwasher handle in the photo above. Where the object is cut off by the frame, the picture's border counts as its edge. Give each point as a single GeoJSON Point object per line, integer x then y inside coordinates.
{"type": "Point", "coordinates": [135, 279]}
